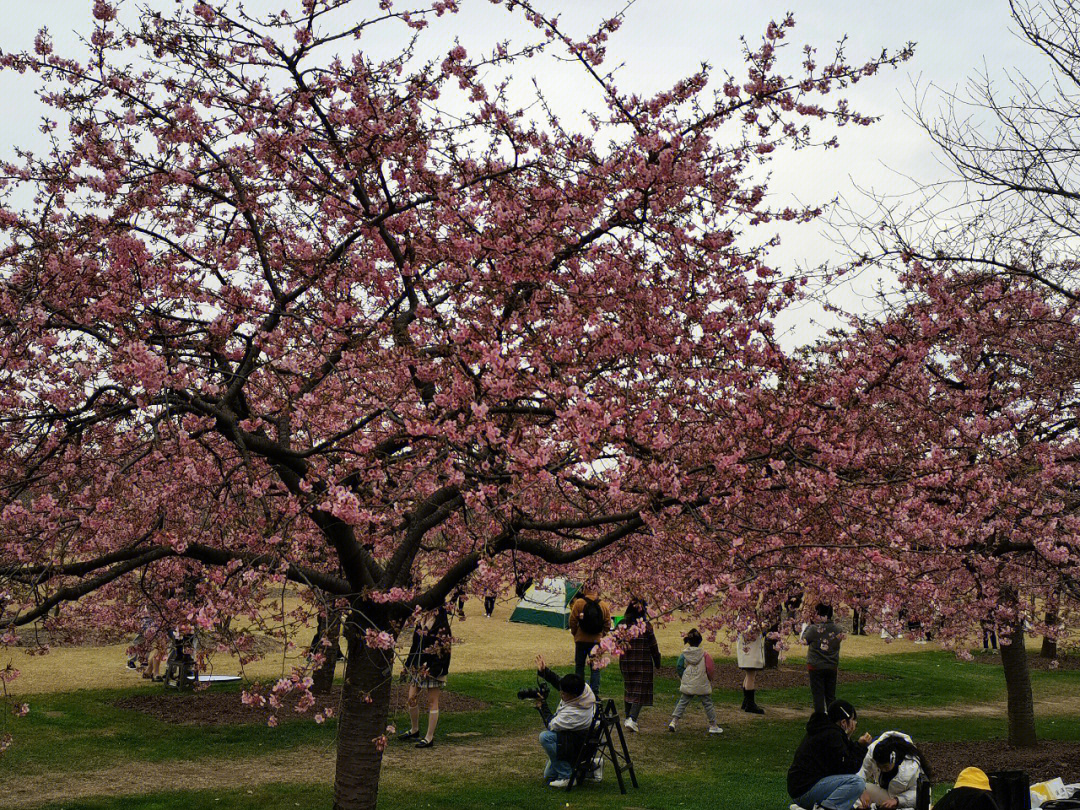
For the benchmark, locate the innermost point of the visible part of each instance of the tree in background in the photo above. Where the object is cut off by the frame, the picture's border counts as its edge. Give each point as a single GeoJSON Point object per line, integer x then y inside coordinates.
{"type": "Point", "coordinates": [954, 454]}
{"type": "Point", "coordinates": [281, 311]}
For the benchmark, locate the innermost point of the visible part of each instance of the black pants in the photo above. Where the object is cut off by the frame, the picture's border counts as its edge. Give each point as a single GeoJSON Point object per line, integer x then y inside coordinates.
{"type": "Point", "coordinates": [489, 605]}
{"type": "Point", "coordinates": [632, 710]}
{"type": "Point", "coordinates": [823, 688]}
{"type": "Point", "coordinates": [581, 653]}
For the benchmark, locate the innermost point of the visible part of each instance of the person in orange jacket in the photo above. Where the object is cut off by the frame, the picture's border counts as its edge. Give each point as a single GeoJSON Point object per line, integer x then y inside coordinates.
{"type": "Point", "coordinates": [590, 620]}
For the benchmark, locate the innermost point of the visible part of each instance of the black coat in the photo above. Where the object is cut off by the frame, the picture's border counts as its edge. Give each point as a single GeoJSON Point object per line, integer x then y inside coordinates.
{"type": "Point", "coordinates": [967, 798]}
{"type": "Point", "coordinates": [430, 649]}
{"type": "Point", "coordinates": [825, 751]}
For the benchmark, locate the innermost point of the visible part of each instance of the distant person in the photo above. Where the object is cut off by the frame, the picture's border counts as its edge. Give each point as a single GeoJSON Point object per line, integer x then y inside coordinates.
{"type": "Point", "coordinates": [489, 603]}
{"type": "Point", "coordinates": [823, 639]}
{"type": "Point", "coordinates": [638, 663]}
{"type": "Point", "coordinates": [891, 768]}
{"type": "Point", "coordinates": [824, 772]}
{"type": "Point", "coordinates": [426, 667]}
{"type": "Point", "coordinates": [522, 585]}
{"type": "Point", "coordinates": [696, 673]}
{"type": "Point", "coordinates": [139, 647]}
{"type": "Point", "coordinates": [750, 656]}
{"type": "Point", "coordinates": [989, 634]}
{"type": "Point", "coordinates": [590, 619]}
{"type": "Point", "coordinates": [858, 622]}
{"type": "Point", "coordinates": [971, 792]}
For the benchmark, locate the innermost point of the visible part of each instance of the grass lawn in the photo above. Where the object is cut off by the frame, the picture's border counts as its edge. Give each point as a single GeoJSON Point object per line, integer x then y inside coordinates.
{"type": "Point", "coordinates": [83, 752]}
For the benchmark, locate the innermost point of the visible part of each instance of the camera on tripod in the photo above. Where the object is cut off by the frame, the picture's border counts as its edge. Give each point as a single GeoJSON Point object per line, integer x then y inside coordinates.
{"type": "Point", "coordinates": [539, 692]}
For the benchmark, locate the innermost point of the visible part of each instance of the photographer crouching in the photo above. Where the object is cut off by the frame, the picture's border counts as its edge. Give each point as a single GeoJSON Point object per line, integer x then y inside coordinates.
{"type": "Point", "coordinates": [568, 727]}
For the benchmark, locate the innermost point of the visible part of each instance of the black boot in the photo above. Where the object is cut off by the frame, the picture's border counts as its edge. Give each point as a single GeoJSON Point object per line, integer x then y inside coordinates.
{"type": "Point", "coordinates": [748, 702]}
{"type": "Point", "coordinates": [743, 707]}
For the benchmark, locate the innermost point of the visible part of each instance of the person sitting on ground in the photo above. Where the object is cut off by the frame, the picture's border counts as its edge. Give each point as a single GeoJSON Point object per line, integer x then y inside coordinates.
{"type": "Point", "coordinates": [696, 673]}
{"type": "Point", "coordinates": [823, 639]}
{"type": "Point", "coordinates": [971, 792]}
{"type": "Point", "coordinates": [824, 772]}
{"type": "Point", "coordinates": [589, 619]}
{"type": "Point", "coordinates": [891, 769]}
{"type": "Point", "coordinates": [567, 728]}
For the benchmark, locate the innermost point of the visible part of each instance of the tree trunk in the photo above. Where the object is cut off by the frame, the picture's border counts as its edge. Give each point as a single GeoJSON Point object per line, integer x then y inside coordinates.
{"type": "Point", "coordinates": [365, 704]}
{"type": "Point", "coordinates": [323, 679]}
{"type": "Point", "coordinates": [1021, 708]}
{"type": "Point", "coordinates": [1049, 645]}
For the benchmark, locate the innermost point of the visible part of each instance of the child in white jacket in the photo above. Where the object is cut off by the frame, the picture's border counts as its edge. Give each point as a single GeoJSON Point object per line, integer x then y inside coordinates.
{"type": "Point", "coordinates": [696, 672]}
{"type": "Point", "coordinates": [891, 769]}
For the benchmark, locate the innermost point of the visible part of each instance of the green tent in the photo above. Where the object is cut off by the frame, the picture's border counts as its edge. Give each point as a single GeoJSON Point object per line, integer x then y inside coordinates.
{"type": "Point", "coordinates": [546, 603]}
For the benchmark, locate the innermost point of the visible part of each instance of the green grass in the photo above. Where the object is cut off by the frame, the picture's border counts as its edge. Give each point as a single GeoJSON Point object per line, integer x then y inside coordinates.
{"type": "Point", "coordinates": [745, 768]}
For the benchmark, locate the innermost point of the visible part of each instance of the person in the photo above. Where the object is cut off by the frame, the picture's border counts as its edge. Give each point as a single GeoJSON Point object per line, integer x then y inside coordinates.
{"type": "Point", "coordinates": [891, 770]}
{"type": "Point", "coordinates": [971, 792]}
{"type": "Point", "coordinates": [989, 634]}
{"type": "Point", "coordinates": [858, 622]}
{"type": "Point", "coordinates": [426, 667]}
{"type": "Point", "coordinates": [152, 670]}
{"type": "Point", "coordinates": [590, 619]}
{"type": "Point", "coordinates": [823, 639]}
{"type": "Point", "coordinates": [458, 598]}
{"type": "Point", "coordinates": [521, 585]}
{"type": "Point", "coordinates": [139, 657]}
{"type": "Point", "coordinates": [489, 603]}
{"type": "Point", "coordinates": [565, 729]}
{"type": "Point", "coordinates": [750, 656]}
{"type": "Point", "coordinates": [824, 771]}
{"type": "Point", "coordinates": [640, 657]}
{"type": "Point", "coordinates": [696, 673]}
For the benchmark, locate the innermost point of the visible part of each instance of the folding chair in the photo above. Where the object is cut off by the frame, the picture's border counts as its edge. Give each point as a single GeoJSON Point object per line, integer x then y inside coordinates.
{"type": "Point", "coordinates": [600, 742]}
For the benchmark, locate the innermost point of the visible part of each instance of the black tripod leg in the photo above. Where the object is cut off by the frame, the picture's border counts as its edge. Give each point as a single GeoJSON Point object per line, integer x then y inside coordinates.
{"type": "Point", "coordinates": [626, 756]}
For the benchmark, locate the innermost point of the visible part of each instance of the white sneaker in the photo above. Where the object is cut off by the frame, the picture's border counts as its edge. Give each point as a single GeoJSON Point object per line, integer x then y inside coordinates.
{"type": "Point", "coordinates": [715, 730]}
{"type": "Point", "coordinates": [559, 783]}
{"type": "Point", "coordinates": [670, 726]}
{"type": "Point", "coordinates": [630, 724]}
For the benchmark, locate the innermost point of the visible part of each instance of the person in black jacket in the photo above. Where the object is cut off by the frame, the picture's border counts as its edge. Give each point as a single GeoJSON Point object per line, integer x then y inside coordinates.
{"type": "Point", "coordinates": [425, 668]}
{"type": "Point", "coordinates": [824, 772]}
{"type": "Point", "coordinates": [971, 792]}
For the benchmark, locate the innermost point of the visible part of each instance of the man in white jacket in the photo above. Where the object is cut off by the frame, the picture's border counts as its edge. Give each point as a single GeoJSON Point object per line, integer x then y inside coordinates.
{"type": "Point", "coordinates": [893, 756]}
{"type": "Point", "coordinates": [566, 728]}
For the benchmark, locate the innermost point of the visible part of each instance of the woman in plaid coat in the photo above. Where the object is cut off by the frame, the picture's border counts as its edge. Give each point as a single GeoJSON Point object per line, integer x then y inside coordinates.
{"type": "Point", "coordinates": [637, 664]}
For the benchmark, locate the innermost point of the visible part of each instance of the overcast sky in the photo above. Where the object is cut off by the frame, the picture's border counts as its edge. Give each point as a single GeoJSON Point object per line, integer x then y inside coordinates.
{"type": "Point", "coordinates": [664, 40]}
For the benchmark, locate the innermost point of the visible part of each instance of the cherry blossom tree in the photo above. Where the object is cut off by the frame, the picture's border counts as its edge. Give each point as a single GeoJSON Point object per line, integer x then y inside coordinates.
{"type": "Point", "coordinates": [953, 457]}
{"type": "Point", "coordinates": [273, 310]}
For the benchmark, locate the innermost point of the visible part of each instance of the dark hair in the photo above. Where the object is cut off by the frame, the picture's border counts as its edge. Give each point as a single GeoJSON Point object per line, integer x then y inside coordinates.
{"type": "Point", "coordinates": [824, 611]}
{"type": "Point", "coordinates": [841, 710]}
{"type": "Point", "coordinates": [634, 611]}
{"type": "Point", "coordinates": [693, 638]}
{"type": "Point", "coordinates": [891, 751]}
{"type": "Point", "coordinates": [572, 684]}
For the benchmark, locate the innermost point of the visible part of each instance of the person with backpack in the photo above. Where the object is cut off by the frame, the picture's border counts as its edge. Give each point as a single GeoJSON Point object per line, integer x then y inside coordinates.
{"type": "Point", "coordinates": [823, 639]}
{"type": "Point", "coordinates": [891, 769]}
{"type": "Point", "coordinates": [639, 660]}
{"type": "Point", "coordinates": [824, 772]}
{"type": "Point", "coordinates": [590, 619]}
{"type": "Point", "coordinates": [696, 673]}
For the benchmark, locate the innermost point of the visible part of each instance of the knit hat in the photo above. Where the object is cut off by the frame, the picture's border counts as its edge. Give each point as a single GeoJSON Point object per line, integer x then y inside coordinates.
{"type": "Point", "coordinates": [972, 778]}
